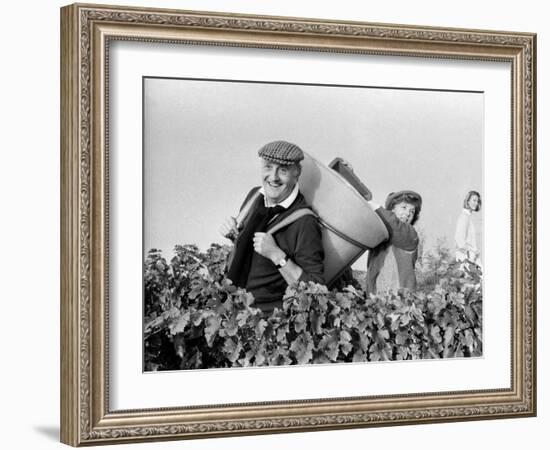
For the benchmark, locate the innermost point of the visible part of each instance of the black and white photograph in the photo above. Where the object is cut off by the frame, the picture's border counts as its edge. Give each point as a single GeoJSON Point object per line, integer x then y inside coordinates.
{"type": "Point", "coordinates": [280, 218]}
{"type": "Point", "coordinates": [293, 223]}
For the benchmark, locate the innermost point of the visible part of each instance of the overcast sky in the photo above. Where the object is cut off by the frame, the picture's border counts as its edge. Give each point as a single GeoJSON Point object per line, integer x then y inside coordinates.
{"type": "Point", "coordinates": [201, 140]}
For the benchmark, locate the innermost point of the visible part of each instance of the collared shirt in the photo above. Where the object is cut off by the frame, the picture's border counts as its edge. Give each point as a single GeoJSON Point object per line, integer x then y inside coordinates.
{"type": "Point", "coordinates": [287, 201]}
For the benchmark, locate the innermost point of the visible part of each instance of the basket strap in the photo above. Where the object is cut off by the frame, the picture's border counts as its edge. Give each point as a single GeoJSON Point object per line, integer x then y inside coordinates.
{"type": "Point", "coordinates": [246, 209]}
{"type": "Point", "coordinates": [293, 217]}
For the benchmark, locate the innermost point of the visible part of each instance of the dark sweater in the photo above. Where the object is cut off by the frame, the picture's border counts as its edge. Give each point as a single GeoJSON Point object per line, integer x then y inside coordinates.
{"type": "Point", "coordinates": [302, 243]}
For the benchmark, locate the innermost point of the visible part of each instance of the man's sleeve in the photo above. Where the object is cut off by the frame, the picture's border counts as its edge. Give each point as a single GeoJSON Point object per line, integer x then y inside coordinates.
{"type": "Point", "coordinates": [402, 235]}
{"type": "Point", "coordinates": [309, 253]}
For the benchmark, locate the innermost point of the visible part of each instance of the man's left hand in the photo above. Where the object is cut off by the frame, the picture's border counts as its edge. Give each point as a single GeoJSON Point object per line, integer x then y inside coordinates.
{"type": "Point", "coordinates": [266, 246]}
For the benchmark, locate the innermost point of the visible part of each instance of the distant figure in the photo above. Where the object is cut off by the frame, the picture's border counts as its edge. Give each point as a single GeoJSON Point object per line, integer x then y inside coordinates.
{"type": "Point", "coordinates": [277, 243]}
{"type": "Point", "coordinates": [465, 234]}
{"type": "Point", "coordinates": [391, 264]}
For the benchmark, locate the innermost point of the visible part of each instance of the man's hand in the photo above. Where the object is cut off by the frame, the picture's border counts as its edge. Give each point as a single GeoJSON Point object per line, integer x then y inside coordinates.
{"type": "Point", "coordinates": [228, 229]}
{"type": "Point", "coordinates": [266, 246]}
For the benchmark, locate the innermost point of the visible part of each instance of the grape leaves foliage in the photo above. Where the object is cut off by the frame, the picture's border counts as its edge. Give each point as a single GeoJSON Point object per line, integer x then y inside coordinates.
{"type": "Point", "coordinates": [194, 318]}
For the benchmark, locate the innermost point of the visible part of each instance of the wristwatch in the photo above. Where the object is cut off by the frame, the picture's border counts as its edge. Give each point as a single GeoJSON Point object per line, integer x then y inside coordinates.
{"type": "Point", "coordinates": [282, 262]}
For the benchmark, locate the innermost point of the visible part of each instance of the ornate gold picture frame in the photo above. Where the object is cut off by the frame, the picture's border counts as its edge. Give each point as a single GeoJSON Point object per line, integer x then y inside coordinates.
{"type": "Point", "coordinates": [88, 33]}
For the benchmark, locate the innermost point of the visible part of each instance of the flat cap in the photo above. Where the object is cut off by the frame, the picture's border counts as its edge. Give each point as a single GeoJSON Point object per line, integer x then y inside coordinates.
{"type": "Point", "coordinates": [281, 152]}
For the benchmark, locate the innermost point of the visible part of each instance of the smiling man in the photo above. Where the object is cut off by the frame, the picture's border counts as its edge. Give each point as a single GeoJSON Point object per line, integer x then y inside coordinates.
{"type": "Point", "coordinates": [277, 238]}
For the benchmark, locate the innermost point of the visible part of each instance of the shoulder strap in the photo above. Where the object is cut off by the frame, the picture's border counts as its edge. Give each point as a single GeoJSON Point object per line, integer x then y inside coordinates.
{"type": "Point", "coordinates": [292, 217]}
{"type": "Point", "coordinates": [246, 209]}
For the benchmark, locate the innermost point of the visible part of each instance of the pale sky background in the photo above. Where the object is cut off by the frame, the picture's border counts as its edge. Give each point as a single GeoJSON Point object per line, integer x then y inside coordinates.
{"type": "Point", "coordinates": [201, 140]}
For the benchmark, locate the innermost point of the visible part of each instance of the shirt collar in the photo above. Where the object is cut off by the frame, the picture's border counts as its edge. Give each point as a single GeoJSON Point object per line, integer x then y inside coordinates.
{"type": "Point", "coordinates": [287, 201]}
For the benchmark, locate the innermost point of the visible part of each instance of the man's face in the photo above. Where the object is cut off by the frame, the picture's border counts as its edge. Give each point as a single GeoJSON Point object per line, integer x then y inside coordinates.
{"type": "Point", "coordinates": [278, 181]}
{"type": "Point", "coordinates": [404, 212]}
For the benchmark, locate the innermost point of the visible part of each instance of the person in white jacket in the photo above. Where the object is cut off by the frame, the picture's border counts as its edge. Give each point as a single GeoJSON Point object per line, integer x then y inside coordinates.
{"type": "Point", "coordinates": [465, 234]}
